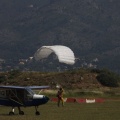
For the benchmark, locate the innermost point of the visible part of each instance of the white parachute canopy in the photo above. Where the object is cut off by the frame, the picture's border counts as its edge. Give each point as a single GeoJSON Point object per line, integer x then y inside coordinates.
{"type": "Point", "coordinates": [63, 53]}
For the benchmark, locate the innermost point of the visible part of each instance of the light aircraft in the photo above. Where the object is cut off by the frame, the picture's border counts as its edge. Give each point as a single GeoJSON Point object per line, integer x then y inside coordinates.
{"type": "Point", "coordinates": [18, 96]}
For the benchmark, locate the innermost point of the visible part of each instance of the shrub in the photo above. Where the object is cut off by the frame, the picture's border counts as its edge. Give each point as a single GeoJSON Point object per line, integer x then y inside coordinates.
{"type": "Point", "coordinates": [108, 78]}
{"type": "Point", "coordinates": [13, 74]}
{"type": "Point", "coordinates": [2, 79]}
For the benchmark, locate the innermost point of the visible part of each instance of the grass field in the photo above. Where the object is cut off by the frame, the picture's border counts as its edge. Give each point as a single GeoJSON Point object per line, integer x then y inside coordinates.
{"type": "Point", "coordinates": [109, 110]}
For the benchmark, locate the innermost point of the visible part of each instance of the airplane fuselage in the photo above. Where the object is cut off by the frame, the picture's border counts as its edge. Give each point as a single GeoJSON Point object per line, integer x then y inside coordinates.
{"type": "Point", "coordinates": [17, 96]}
{"type": "Point", "coordinates": [35, 101]}
{"type": "Point", "coordinates": [21, 97]}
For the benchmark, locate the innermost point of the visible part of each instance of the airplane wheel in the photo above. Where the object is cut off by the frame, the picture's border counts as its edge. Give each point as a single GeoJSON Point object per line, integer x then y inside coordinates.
{"type": "Point", "coordinates": [21, 113]}
{"type": "Point", "coordinates": [11, 113]}
{"type": "Point", "coordinates": [37, 113]}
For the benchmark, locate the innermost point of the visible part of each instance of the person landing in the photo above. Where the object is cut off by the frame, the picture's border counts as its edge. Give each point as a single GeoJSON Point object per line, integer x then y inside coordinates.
{"type": "Point", "coordinates": [60, 96]}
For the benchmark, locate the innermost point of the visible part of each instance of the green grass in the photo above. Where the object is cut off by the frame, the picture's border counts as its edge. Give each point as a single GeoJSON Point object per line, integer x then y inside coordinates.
{"type": "Point", "coordinates": [108, 110]}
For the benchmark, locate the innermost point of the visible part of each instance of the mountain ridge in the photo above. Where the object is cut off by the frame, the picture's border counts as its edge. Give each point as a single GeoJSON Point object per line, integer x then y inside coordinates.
{"type": "Point", "coordinates": [90, 28]}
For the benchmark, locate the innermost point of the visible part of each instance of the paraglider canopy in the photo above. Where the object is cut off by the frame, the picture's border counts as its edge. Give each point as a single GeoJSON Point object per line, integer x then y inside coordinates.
{"type": "Point", "coordinates": [63, 53]}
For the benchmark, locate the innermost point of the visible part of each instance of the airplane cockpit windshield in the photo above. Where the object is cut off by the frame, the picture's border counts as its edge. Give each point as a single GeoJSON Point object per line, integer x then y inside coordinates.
{"type": "Point", "coordinates": [30, 91]}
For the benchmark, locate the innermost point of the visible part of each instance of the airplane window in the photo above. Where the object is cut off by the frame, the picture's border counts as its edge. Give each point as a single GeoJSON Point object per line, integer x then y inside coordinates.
{"type": "Point", "coordinates": [2, 93]}
{"type": "Point", "coordinates": [30, 92]}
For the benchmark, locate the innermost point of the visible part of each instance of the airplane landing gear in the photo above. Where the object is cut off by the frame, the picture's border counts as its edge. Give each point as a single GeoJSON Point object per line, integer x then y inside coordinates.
{"type": "Point", "coordinates": [12, 111]}
{"type": "Point", "coordinates": [37, 112]}
{"type": "Point", "coordinates": [20, 112]}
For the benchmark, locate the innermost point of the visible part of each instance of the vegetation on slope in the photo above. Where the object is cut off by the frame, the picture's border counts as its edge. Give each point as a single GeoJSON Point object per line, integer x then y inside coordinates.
{"type": "Point", "coordinates": [74, 79]}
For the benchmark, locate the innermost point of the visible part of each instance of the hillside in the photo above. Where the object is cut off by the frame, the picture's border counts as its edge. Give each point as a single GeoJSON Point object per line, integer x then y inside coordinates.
{"type": "Point", "coordinates": [74, 79]}
{"type": "Point", "coordinates": [90, 28]}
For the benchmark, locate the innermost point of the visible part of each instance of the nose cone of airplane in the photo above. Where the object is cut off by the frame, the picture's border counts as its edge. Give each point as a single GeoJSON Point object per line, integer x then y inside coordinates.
{"type": "Point", "coordinates": [46, 98]}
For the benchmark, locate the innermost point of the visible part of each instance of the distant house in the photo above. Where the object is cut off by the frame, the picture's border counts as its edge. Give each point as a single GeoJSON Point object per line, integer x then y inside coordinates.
{"type": "Point", "coordinates": [21, 63]}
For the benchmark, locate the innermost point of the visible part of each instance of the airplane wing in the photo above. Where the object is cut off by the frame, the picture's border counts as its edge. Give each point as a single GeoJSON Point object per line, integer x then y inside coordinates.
{"type": "Point", "coordinates": [24, 87]}
{"type": "Point", "coordinates": [38, 87]}
{"type": "Point", "coordinates": [11, 87]}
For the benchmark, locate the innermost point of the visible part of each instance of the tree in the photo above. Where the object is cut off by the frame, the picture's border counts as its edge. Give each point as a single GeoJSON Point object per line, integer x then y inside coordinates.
{"type": "Point", "coordinates": [108, 78]}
